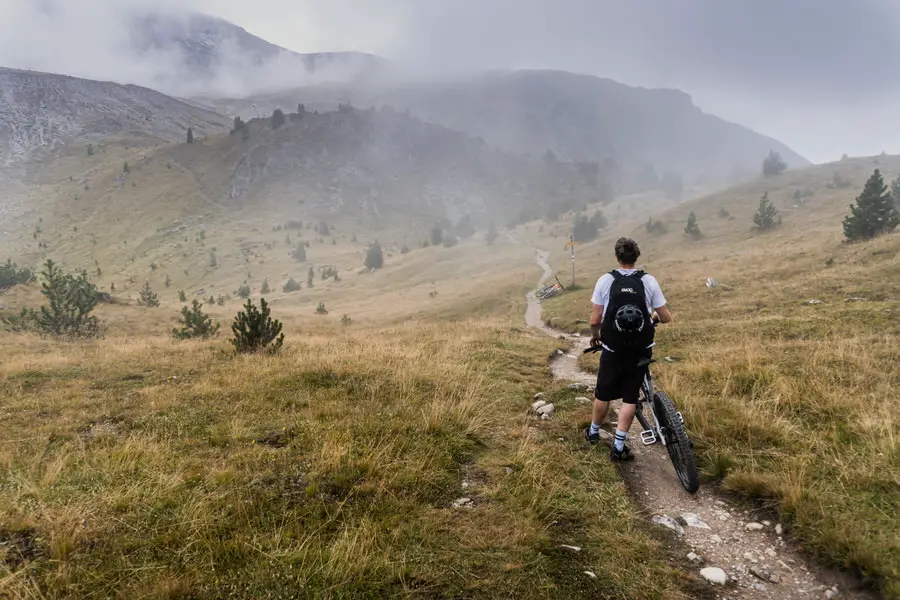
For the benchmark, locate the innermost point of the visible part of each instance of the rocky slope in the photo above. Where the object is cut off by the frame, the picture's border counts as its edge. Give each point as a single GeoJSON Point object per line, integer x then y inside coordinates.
{"type": "Point", "coordinates": [40, 113]}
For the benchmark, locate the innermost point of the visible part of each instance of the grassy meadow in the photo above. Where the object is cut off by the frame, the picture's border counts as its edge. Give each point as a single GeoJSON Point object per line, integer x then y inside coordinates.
{"type": "Point", "coordinates": [792, 404]}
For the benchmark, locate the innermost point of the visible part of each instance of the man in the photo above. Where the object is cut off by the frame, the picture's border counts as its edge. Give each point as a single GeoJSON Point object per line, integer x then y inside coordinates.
{"type": "Point", "coordinates": [627, 305]}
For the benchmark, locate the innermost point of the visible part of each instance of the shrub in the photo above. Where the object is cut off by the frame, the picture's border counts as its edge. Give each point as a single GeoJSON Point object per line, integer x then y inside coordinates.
{"type": "Point", "coordinates": [190, 135]}
{"type": "Point", "coordinates": [321, 310]}
{"type": "Point", "coordinates": [11, 274]}
{"type": "Point", "coordinates": [90, 149]}
{"type": "Point", "coordinates": [404, 249]}
{"type": "Point", "coordinates": [374, 257]}
{"type": "Point", "coordinates": [724, 214]}
{"type": "Point", "coordinates": [656, 227]}
{"type": "Point", "coordinates": [182, 297]}
{"type": "Point", "coordinates": [491, 235]}
{"type": "Point", "coordinates": [195, 324]}
{"type": "Point", "coordinates": [310, 277]}
{"type": "Point", "coordinates": [148, 297]}
{"type": "Point", "coordinates": [773, 164]}
{"type": "Point", "coordinates": [243, 292]}
{"type": "Point", "coordinates": [126, 169]}
{"type": "Point", "coordinates": [299, 253]}
{"type": "Point", "coordinates": [265, 289]}
{"type": "Point", "coordinates": [71, 300]}
{"type": "Point", "coordinates": [255, 331]}
{"type": "Point", "coordinates": [277, 118]}
{"type": "Point", "coordinates": [346, 320]}
{"type": "Point", "coordinates": [220, 300]}
{"type": "Point", "coordinates": [691, 228]}
{"type": "Point", "coordinates": [292, 285]}
{"type": "Point", "coordinates": [765, 217]}
{"type": "Point", "coordinates": [167, 282]}
{"type": "Point", "coordinates": [875, 212]}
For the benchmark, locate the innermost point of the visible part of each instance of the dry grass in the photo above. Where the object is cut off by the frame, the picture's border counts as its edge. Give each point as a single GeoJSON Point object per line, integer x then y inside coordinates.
{"type": "Point", "coordinates": [792, 404]}
{"type": "Point", "coordinates": [141, 467]}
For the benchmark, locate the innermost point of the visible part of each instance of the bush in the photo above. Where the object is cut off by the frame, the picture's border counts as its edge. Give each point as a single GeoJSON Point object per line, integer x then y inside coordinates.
{"type": "Point", "coordinates": [773, 164]}
{"type": "Point", "coordinates": [346, 320]}
{"type": "Point", "coordinates": [277, 118]}
{"type": "Point", "coordinates": [220, 300]}
{"type": "Point", "coordinates": [182, 297]}
{"type": "Point", "coordinates": [656, 227]}
{"type": "Point", "coordinates": [11, 274]}
{"type": "Point", "coordinates": [291, 286]}
{"type": "Point", "coordinates": [195, 324]}
{"type": "Point", "coordinates": [374, 257]}
{"type": "Point", "coordinates": [243, 291]}
{"type": "Point", "coordinates": [321, 310]}
{"type": "Point", "coordinates": [437, 235]}
{"type": "Point", "coordinates": [765, 217]}
{"type": "Point", "coordinates": [147, 297]}
{"type": "Point", "coordinates": [255, 331]}
{"type": "Point", "coordinates": [691, 228]}
{"type": "Point", "coordinates": [875, 212]}
{"type": "Point", "coordinates": [491, 235]}
{"type": "Point", "coordinates": [71, 299]}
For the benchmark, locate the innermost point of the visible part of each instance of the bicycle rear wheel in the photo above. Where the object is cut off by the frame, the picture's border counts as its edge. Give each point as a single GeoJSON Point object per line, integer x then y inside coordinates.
{"type": "Point", "coordinates": [677, 442]}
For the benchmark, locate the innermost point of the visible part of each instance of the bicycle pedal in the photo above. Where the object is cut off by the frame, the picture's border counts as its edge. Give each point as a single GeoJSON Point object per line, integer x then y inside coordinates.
{"type": "Point", "coordinates": [648, 437]}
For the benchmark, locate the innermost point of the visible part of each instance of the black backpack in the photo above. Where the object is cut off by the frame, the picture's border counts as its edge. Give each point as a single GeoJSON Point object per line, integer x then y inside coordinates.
{"type": "Point", "coordinates": [627, 325]}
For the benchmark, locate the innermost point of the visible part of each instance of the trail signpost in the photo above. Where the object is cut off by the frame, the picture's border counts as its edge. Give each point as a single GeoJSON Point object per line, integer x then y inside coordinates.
{"type": "Point", "coordinates": [571, 244]}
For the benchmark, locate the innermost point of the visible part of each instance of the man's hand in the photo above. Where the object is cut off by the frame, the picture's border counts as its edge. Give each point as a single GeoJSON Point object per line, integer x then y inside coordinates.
{"type": "Point", "coordinates": [595, 337]}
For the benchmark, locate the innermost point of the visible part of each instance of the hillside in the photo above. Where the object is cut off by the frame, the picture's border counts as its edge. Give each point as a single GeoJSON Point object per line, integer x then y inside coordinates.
{"type": "Point", "coordinates": [786, 369]}
{"type": "Point", "coordinates": [578, 117]}
{"type": "Point", "coordinates": [41, 114]}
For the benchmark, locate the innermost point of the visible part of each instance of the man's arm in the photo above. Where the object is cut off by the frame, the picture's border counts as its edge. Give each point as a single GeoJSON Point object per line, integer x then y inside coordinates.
{"type": "Point", "coordinates": [596, 321]}
{"type": "Point", "coordinates": [663, 314]}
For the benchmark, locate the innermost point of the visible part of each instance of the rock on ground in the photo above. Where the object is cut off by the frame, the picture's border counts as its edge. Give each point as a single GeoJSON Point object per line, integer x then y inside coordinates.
{"type": "Point", "coordinates": [714, 575]}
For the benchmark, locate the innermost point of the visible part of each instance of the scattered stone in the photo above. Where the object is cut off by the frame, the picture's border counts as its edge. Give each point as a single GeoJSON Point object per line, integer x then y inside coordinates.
{"type": "Point", "coordinates": [539, 396]}
{"type": "Point", "coordinates": [590, 574]}
{"type": "Point", "coordinates": [714, 575]}
{"type": "Point", "coordinates": [568, 547]}
{"type": "Point", "coordinates": [759, 587]}
{"type": "Point", "coordinates": [669, 522]}
{"type": "Point", "coordinates": [560, 353]}
{"type": "Point", "coordinates": [579, 386]}
{"type": "Point", "coordinates": [670, 359]}
{"type": "Point", "coordinates": [749, 556]}
{"type": "Point", "coordinates": [770, 552]}
{"type": "Point", "coordinates": [545, 417]}
{"type": "Point", "coordinates": [693, 520]}
{"type": "Point", "coordinates": [784, 566]}
{"type": "Point", "coordinates": [463, 503]}
{"type": "Point", "coordinates": [583, 400]}
{"type": "Point", "coordinates": [779, 529]}
{"type": "Point", "coordinates": [754, 527]}
{"type": "Point", "coordinates": [537, 404]}
{"type": "Point", "coordinates": [832, 592]}
{"type": "Point", "coordinates": [508, 470]}
{"type": "Point", "coordinates": [765, 574]}
{"type": "Point", "coordinates": [694, 557]}
{"type": "Point", "coordinates": [545, 409]}
{"type": "Point", "coordinates": [856, 299]}
{"type": "Point", "coordinates": [715, 539]}
{"type": "Point", "coordinates": [767, 523]}
{"type": "Point", "coordinates": [814, 302]}
{"type": "Point", "coordinates": [465, 484]}
{"type": "Point", "coordinates": [720, 503]}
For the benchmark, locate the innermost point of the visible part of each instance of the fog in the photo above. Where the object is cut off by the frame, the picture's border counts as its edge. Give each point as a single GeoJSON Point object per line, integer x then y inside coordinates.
{"type": "Point", "coordinates": [819, 75]}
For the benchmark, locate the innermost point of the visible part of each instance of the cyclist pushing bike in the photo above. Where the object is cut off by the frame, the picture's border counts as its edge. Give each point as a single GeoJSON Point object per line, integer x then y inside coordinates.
{"type": "Point", "coordinates": [627, 305]}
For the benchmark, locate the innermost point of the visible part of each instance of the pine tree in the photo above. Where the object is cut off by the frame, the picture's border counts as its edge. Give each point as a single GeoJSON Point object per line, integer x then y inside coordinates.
{"type": "Point", "coordinates": [190, 135]}
{"type": "Point", "coordinates": [265, 289]}
{"type": "Point", "coordinates": [765, 217]}
{"type": "Point", "coordinates": [148, 298]}
{"type": "Point", "coordinates": [292, 285]}
{"type": "Point", "coordinates": [310, 277]}
{"type": "Point", "coordinates": [691, 228]}
{"type": "Point", "coordinates": [277, 118]}
{"type": "Point", "coordinates": [244, 291]}
{"type": "Point", "coordinates": [374, 257]}
{"type": "Point", "coordinates": [491, 235]}
{"type": "Point", "coordinates": [255, 331]}
{"type": "Point", "coordinates": [299, 253]}
{"type": "Point", "coordinates": [875, 212]}
{"type": "Point", "coordinates": [168, 282]}
{"type": "Point", "coordinates": [195, 324]}
{"type": "Point", "coordinates": [437, 235]}
{"type": "Point", "coordinates": [71, 299]}
{"type": "Point", "coordinates": [126, 169]}
{"type": "Point", "coordinates": [773, 164]}
{"type": "Point", "coordinates": [182, 297]}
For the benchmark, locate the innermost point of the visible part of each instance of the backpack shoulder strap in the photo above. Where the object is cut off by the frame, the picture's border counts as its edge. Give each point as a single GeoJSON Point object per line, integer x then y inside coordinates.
{"type": "Point", "coordinates": [616, 275]}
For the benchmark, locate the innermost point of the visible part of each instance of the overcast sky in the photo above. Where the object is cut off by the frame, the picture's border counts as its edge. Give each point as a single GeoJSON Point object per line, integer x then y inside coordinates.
{"type": "Point", "coordinates": [821, 75]}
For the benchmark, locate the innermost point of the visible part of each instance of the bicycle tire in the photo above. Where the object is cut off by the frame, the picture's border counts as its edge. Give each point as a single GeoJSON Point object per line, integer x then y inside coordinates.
{"type": "Point", "coordinates": [678, 444]}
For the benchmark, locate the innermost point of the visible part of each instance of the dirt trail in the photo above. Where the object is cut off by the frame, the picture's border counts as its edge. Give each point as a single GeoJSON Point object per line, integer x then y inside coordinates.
{"type": "Point", "coordinates": [759, 560]}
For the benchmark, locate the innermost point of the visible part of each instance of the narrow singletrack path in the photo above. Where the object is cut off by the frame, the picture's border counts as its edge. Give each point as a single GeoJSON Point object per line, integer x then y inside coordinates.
{"type": "Point", "coordinates": [758, 557]}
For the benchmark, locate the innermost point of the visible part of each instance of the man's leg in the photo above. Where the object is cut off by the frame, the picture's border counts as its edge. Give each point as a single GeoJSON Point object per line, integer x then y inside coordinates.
{"type": "Point", "coordinates": [601, 408]}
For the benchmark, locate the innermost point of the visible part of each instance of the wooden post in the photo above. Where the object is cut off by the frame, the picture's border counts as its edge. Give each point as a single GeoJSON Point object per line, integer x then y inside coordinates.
{"type": "Point", "coordinates": [572, 243]}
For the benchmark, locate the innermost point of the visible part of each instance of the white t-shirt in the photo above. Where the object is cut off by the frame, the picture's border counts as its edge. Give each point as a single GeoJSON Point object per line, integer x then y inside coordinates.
{"type": "Point", "coordinates": [652, 291]}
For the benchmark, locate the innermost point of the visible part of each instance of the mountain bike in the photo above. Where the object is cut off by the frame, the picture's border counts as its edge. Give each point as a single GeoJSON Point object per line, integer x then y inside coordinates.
{"type": "Point", "coordinates": [663, 423]}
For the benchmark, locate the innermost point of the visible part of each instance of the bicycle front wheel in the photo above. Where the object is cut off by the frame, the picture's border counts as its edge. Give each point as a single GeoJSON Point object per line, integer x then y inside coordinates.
{"type": "Point", "coordinates": [677, 442]}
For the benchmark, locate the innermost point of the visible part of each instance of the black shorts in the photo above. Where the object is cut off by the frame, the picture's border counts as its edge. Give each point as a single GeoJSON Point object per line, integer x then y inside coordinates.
{"type": "Point", "coordinates": [620, 377]}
